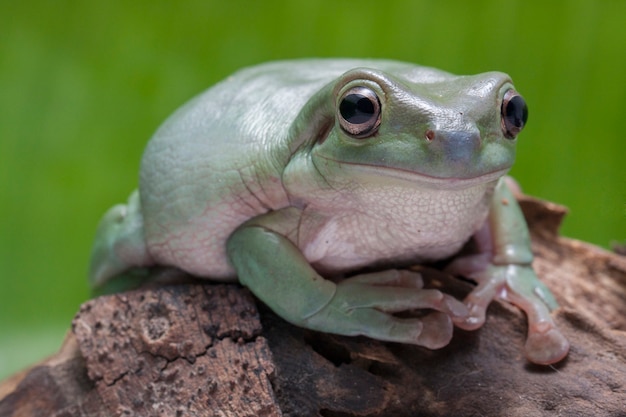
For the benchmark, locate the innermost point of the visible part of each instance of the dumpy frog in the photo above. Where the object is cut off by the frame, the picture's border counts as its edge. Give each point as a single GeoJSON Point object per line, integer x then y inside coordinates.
{"type": "Point", "coordinates": [294, 177]}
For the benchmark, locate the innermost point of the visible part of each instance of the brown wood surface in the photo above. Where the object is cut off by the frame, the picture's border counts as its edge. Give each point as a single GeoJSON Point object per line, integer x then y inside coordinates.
{"type": "Point", "coordinates": [211, 350]}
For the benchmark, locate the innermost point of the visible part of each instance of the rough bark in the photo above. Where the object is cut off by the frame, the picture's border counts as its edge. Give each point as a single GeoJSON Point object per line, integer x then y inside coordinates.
{"type": "Point", "coordinates": [211, 350]}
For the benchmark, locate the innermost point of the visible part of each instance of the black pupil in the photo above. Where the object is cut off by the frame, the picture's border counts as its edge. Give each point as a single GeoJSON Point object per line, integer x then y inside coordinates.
{"type": "Point", "coordinates": [516, 112]}
{"type": "Point", "coordinates": [356, 108]}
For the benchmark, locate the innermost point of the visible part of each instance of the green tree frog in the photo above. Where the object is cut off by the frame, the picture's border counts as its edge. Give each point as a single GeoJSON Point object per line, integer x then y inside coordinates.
{"type": "Point", "coordinates": [293, 176]}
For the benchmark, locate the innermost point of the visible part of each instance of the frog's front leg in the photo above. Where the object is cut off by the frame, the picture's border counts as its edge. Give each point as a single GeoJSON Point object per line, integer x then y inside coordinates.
{"type": "Point", "coordinates": [503, 269]}
{"type": "Point", "coordinates": [275, 270]}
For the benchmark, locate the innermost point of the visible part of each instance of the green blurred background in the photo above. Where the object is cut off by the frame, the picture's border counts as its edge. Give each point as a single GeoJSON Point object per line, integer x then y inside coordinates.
{"type": "Point", "coordinates": [84, 84]}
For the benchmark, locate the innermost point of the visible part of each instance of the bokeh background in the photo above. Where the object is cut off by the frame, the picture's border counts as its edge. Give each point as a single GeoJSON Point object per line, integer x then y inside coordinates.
{"type": "Point", "coordinates": [83, 85]}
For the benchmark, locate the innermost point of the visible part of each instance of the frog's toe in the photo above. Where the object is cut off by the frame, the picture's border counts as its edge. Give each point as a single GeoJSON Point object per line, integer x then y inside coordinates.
{"type": "Point", "coordinates": [545, 344]}
{"type": "Point", "coordinates": [474, 320]}
{"type": "Point", "coordinates": [395, 301]}
{"type": "Point", "coordinates": [469, 265]}
{"type": "Point", "coordinates": [433, 331]}
{"type": "Point", "coordinates": [453, 307]}
{"type": "Point", "coordinates": [391, 277]}
{"type": "Point", "coordinates": [436, 331]}
{"type": "Point", "coordinates": [477, 303]}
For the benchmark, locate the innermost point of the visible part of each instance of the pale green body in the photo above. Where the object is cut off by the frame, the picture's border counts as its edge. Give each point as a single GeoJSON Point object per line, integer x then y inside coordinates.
{"type": "Point", "coordinates": [258, 179]}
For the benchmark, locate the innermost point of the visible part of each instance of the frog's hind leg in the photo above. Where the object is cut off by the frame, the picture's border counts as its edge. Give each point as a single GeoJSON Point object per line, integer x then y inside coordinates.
{"type": "Point", "coordinates": [119, 255]}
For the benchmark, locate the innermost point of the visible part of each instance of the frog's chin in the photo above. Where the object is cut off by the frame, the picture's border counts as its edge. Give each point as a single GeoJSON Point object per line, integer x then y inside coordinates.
{"type": "Point", "coordinates": [425, 180]}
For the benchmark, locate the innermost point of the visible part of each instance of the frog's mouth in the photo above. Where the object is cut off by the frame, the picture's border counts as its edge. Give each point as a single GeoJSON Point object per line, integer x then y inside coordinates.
{"type": "Point", "coordinates": [379, 172]}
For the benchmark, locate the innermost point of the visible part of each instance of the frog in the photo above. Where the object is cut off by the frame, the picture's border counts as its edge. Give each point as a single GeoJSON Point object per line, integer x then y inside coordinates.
{"type": "Point", "coordinates": [316, 183]}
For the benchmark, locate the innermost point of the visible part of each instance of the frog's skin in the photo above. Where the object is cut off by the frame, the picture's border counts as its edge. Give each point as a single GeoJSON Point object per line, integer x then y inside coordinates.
{"type": "Point", "coordinates": [273, 178]}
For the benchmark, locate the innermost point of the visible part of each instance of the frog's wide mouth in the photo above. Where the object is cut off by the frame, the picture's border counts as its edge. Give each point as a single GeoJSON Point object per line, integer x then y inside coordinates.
{"type": "Point", "coordinates": [420, 178]}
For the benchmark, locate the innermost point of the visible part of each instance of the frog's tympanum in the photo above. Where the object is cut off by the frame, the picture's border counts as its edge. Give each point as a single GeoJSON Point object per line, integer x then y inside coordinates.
{"type": "Point", "coordinates": [291, 176]}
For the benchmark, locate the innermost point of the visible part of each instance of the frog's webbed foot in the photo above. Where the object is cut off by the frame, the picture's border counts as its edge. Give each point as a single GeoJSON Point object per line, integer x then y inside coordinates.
{"type": "Point", "coordinates": [119, 254]}
{"type": "Point", "coordinates": [502, 269]}
{"type": "Point", "coordinates": [364, 305]}
{"type": "Point", "coordinates": [519, 285]}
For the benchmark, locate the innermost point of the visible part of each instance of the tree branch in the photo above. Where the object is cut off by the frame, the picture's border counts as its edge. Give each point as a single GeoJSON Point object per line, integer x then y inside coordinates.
{"type": "Point", "coordinates": [209, 350]}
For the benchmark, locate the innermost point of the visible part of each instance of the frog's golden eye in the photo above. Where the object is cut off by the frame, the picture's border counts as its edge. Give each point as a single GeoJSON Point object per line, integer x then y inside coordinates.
{"type": "Point", "coordinates": [514, 114]}
{"type": "Point", "coordinates": [359, 112]}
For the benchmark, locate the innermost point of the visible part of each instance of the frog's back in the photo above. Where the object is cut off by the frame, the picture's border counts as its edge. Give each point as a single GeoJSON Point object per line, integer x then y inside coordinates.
{"type": "Point", "coordinates": [218, 160]}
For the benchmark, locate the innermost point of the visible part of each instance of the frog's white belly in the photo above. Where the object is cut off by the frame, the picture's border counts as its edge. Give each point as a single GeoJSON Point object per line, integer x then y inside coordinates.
{"type": "Point", "coordinates": [400, 225]}
{"type": "Point", "coordinates": [385, 225]}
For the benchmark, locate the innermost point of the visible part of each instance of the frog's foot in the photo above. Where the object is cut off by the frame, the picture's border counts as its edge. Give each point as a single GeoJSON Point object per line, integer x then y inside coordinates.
{"type": "Point", "coordinates": [119, 248]}
{"type": "Point", "coordinates": [364, 305]}
{"type": "Point", "coordinates": [545, 344]}
{"type": "Point", "coordinates": [519, 285]}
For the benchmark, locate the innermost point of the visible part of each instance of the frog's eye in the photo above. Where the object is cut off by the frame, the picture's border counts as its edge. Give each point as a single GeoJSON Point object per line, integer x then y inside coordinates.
{"type": "Point", "coordinates": [514, 114]}
{"type": "Point", "coordinates": [359, 112]}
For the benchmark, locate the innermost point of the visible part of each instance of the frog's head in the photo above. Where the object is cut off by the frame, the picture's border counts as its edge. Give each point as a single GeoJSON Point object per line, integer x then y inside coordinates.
{"type": "Point", "coordinates": [420, 123]}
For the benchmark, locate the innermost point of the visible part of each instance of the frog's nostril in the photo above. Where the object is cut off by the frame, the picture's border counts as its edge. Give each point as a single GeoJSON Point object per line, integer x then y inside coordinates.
{"type": "Point", "coordinates": [430, 135]}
